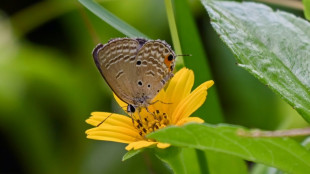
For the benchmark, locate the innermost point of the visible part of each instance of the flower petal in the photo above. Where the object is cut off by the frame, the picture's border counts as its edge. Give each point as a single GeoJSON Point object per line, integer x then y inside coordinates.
{"type": "Point", "coordinates": [139, 145]}
{"type": "Point", "coordinates": [189, 120]}
{"type": "Point", "coordinates": [179, 87]}
{"type": "Point", "coordinates": [121, 103]}
{"type": "Point", "coordinates": [114, 119]}
{"type": "Point", "coordinates": [108, 128]}
{"type": "Point", "coordinates": [158, 102]}
{"type": "Point", "coordinates": [191, 103]}
{"type": "Point", "coordinates": [109, 136]}
{"type": "Point", "coordinates": [163, 145]}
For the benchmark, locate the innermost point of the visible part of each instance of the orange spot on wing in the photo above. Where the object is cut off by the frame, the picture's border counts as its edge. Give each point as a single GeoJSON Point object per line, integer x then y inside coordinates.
{"type": "Point", "coordinates": [168, 62]}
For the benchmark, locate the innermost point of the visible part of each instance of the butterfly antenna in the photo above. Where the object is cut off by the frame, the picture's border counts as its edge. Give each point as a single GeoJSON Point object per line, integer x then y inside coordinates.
{"type": "Point", "coordinates": [104, 120]}
{"type": "Point", "coordinates": [183, 55]}
{"type": "Point", "coordinates": [133, 120]}
{"type": "Point", "coordinates": [139, 110]}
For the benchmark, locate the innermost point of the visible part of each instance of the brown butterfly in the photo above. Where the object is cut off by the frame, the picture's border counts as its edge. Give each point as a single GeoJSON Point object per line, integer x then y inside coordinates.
{"type": "Point", "coordinates": [135, 69]}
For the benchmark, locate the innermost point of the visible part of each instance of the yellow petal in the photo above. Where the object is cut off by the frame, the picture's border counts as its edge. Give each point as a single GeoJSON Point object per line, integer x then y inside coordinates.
{"type": "Point", "coordinates": [179, 87]}
{"type": "Point", "coordinates": [189, 120]}
{"type": "Point", "coordinates": [114, 119]}
{"type": "Point", "coordinates": [108, 128]}
{"type": "Point", "coordinates": [209, 83]}
{"type": "Point", "coordinates": [139, 145]}
{"type": "Point", "coordinates": [111, 136]}
{"type": "Point", "coordinates": [160, 96]}
{"type": "Point", "coordinates": [158, 102]}
{"type": "Point", "coordinates": [163, 145]}
{"type": "Point", "coordinates": [191, 103]}
{"type": "Point", "coordinates": [121, 103]}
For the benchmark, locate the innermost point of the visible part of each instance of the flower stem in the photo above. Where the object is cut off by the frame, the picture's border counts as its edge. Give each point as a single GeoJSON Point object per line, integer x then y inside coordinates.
{"type": "Point", "coordinates": [174, 33]}
{"type": "Point", "coordinates": [173, 157]}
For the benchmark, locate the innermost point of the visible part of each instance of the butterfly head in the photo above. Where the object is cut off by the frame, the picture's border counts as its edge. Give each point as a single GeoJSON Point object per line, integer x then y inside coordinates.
{"type": "Point", "coordinates": [131, 108]}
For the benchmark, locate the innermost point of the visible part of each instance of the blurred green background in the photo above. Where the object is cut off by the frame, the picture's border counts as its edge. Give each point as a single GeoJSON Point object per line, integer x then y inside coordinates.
{"type": "Point", "coordinates": [49, 85]}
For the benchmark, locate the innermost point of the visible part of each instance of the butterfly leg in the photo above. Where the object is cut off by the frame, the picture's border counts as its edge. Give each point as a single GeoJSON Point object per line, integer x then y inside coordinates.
{"type": "Point", "coordinates": [139, 110]}
{"type": "Point", "coordinates": [154, 115]}
{"type": "Point", "coordinates": [160, 102]}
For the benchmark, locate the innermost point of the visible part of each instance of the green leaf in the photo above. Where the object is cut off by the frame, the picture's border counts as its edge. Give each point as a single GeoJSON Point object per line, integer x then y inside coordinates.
{"type": "Point", "coordinates": [283, 153]}
{"type": "Point", "coordinates": [111, 19]}
{"type": "Point", "coordinates": [273, 46]}
{"type": "Point", "coordinates": [192, 161]}
{"type": "Point", "coordinates": [173, 157]}
{"type": "Point", "coordinates": [307, 8]}
{"type": "Point", "coordinates": [306, 143]}
{"type": "Point", "coordinates": [263, 169]}
{"type": "Point", "coordinates": [176, 157]}
{"type": "Point", "coordinates": [221, 163]}
{"type": "Point", "coordinates": [132, 153]}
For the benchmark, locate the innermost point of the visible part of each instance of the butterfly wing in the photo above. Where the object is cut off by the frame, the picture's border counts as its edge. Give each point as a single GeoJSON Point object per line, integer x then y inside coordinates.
{"type": "Point", "coordinates": [113, 61]}
{"type": "Point", "coordinates": [135, 69]}
{"type": "Point", "coordinates": [153, 68]}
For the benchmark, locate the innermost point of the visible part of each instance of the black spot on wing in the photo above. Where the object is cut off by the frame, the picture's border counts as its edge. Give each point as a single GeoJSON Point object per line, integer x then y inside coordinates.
{"type": "Point", "coordinates": [170, 57]}
{"type": "Point", "coordinates": [140, 83]}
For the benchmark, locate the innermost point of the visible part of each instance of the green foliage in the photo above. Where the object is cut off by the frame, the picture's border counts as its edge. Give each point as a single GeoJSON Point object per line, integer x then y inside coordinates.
{"type": "Point", "coordinates": [307, 8]}
{"type": "Point", "coordinates": [221, 163]}
{"type": "Point", "coordinates": [131, 153]}
{"type": "Point", "coordinates": [173, 157]}
{"type": "Point", "coordinates": [111, 19]}
{"type": "Point", "coordinates": [191, 44]}
{"type": "Point", "coordinates": [47, 90]}
{"type": "Point", "coordinates": [283, 153]}
{"type": "Point", "coordinates": [273, 46]}
{"type": "Point", "coordinates": [306, 143]}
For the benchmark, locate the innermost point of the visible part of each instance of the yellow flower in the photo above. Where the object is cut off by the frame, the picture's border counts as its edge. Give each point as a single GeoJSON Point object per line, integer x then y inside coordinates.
{"type": "Point", "coordinates": [175, 105]}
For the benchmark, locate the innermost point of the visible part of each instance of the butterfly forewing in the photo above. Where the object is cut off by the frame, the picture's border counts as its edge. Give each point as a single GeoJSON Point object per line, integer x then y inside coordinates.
{"type": "Point", "coordinates": [112, 61]}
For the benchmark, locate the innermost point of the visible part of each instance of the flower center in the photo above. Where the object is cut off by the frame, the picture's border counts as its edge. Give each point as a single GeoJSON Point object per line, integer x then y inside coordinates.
{"type": "Point", "coordinates": [151, 122]}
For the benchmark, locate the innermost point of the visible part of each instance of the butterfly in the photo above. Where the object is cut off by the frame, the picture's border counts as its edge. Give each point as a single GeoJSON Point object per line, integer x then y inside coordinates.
{"type": "Point", "coordinates": [136, 69]}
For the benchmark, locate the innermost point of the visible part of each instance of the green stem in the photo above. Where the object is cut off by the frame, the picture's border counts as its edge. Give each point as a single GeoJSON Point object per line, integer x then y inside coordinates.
{"type": "Point", "coordinates": [173, 157]}
{"type": "Point", "coordinates": [174, 33]}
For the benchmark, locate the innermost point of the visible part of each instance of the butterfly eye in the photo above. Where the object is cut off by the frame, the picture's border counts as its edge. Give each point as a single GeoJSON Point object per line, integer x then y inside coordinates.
{"type": "Point", "coordinates": [131, 109]}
